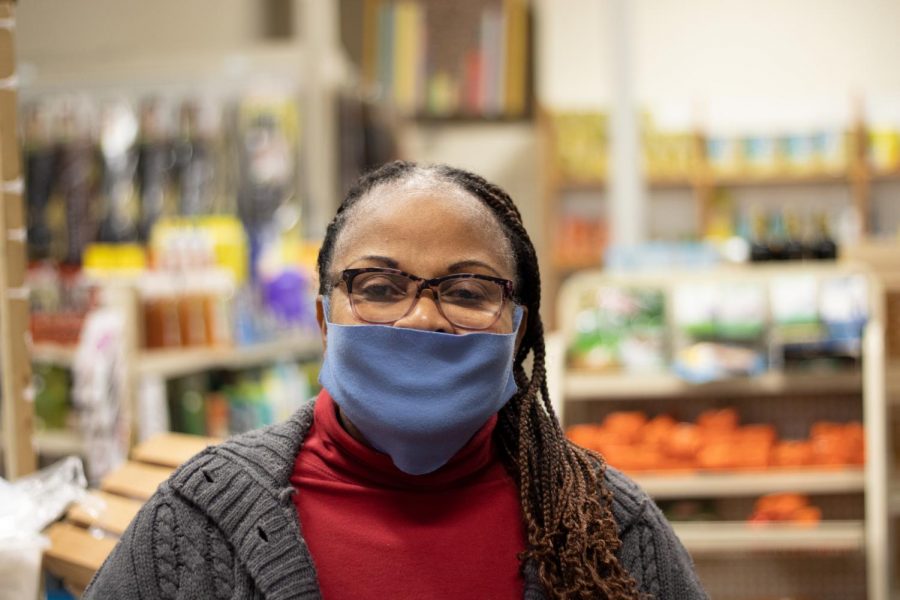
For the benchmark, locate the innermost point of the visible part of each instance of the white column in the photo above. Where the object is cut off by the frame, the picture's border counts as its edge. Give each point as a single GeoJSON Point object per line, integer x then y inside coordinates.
{"type": "Point", "coordinates": [319, 28]}
{"type": "Point", "coordinates": [626, 199]}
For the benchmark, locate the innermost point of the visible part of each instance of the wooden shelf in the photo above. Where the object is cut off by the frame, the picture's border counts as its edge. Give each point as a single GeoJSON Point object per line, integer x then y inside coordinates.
{"type": "Point", "coordinates": [586, 385]}
{"type": "Point", "coordinates": [892, 381]}
{"type": "Point", "coordinates": [709, 537]}
{"type": "Point", "coordinates": [173, 363]}
{"type": "Point", "coordinates": [56, 443]}
{"type": "Point", "coordinates": [699, 485]}
{"type": "Point", "coordinates": [53, 354]}
{"type": "Point", "coordinates": [886, 175]}
{"type": "Point", "coordinates": [600, 185]}
{"type": "Point", "coordinates": [776, 180]}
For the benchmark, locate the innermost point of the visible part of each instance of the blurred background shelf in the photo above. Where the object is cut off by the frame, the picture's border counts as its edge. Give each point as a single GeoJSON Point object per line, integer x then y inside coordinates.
{"type": "Point", "coordinates": [585, 385]}
{"type": "Point", "coordinates": [53, 354]}
{"type": "Point", "coordinates": [710, 537]}
{"type": "Point", "coordinates": [698, 485]}
{"type": "Point", "coordinates": [172, 363]}
{"type": "Point", "coordinates": [56, 443]}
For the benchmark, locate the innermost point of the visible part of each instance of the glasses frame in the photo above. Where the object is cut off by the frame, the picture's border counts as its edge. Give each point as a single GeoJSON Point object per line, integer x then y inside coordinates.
{"type": "Point", "coordinates": [347, 276]}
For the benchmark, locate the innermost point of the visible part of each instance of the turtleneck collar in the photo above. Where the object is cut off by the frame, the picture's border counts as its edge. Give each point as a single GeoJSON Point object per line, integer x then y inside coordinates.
{"type": "Point", "coordinates": [354, 462]}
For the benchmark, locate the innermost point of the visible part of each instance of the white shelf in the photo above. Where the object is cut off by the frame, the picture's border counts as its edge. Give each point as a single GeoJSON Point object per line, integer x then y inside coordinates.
{"type": "Point", "coordinates": [55, 443]}
{"type": "Point", "coordinates": [698, 485]}
{"type": "Point", "coordinates": [173, 363]}
{"type": "Point", "coordinates": [709, 537]}
{"type": "Point", "coordinates": [59, 442]}
{"type": "Point", "coordinates": [892, 381]}
{"type": "Point", "coordinates": [53, 354]}
{"type": "Point", "coordinates": [585, 385]}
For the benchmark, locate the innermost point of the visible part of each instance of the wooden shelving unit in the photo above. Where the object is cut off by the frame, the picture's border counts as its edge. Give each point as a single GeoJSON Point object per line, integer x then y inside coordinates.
{"type": "Point", "coordinates": [701, 182]}
{"type": "Point", "coordinates": [866, 488]}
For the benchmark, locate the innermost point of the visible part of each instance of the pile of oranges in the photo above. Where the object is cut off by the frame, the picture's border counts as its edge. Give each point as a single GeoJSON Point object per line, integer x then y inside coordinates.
{"type": "Point", "coordinates": [785, 508]}
{"type": "Point", "coordinates": [631, 441]}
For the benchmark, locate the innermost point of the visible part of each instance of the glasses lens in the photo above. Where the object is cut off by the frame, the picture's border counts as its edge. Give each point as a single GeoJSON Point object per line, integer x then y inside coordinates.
{"type": "Point", "coordinates": [381, 297]}
{"type": "Point", "coordinates": [471, 303]}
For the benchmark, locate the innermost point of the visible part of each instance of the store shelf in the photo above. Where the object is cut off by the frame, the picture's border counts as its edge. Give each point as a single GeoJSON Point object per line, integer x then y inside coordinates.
{"type": "Point", "coordinates": [599, 185]}
{"type": "Point", "coordinates": [53, 354]}
{"type": "Point", "coordinates": [892, 381]}
{"type": "Point", "coordinates": [54, 443]}
{"type": "Point", "coordinates": [781, 180]}
{"type": "Point", "coordinates": [709, 537]}
{"type": "Point", "coordinates": [586, 385]}
{"type": "Point", "coordinates": [893, 175]}
{"type": "Point", "coordinates": [173, 363]}
{"type": "Point", "coordinates": [698, 485]}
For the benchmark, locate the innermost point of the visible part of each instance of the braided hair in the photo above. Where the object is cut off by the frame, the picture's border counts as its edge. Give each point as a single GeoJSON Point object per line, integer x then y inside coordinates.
{"type": "Point", "coordinates": [566, 506]}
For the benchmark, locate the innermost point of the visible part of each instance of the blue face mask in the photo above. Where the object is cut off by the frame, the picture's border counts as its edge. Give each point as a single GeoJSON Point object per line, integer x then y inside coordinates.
{"type": "Point", "coordinates": [418, 396]}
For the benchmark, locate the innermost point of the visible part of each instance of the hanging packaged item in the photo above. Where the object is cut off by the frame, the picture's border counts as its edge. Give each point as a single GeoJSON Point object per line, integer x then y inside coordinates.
{"type": "Point", "coordinates": [154, 165]}
{"type": "Point", "coordinates": [119, 222]}
{"type": "Point", "coordinates": [195, 154]}
{"type": "Point", "coordinates": [46, 222]}
{"type": "Point", "coordinates": [76, 179]}
{"type": "Point", "coordinates": [620, 328]}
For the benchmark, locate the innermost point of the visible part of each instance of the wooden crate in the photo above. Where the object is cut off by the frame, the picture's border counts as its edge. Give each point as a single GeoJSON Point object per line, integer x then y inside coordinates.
{"type": "Point", "coordinates": [81, 542]}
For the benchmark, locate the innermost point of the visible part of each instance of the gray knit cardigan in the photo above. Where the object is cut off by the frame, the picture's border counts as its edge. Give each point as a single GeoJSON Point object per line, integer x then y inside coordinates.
{"type": "Point", "coordinates": [224, 527]}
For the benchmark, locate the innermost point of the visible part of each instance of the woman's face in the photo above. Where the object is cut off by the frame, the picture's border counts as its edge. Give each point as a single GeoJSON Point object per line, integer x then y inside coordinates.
{"type": "Point", "coordinates": [426, 229]}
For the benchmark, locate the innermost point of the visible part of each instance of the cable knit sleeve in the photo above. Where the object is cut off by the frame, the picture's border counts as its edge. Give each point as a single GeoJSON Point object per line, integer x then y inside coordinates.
{"type": "Point", "coordinates": [170, 551]}
{"type": "Point", "coordinates": [650, 551]}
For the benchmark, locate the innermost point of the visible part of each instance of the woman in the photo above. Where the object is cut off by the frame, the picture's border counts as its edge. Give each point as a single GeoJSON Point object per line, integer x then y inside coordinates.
{"type": "Point", "coordinates": [431, 465]}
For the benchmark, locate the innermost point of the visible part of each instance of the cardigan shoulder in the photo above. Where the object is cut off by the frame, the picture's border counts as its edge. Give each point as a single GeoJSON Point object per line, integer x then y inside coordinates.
{"type": "Point", "coordinates": [650, 550]}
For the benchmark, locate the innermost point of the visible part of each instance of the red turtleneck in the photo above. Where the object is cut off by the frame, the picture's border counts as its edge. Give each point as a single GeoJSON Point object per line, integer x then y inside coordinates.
{"type": "Point", "coordinates": [377, 532]}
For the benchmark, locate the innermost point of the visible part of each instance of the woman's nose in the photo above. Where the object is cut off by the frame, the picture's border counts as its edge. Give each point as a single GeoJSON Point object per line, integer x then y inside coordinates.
{"type": "Point", "coordinates": [426, 316]}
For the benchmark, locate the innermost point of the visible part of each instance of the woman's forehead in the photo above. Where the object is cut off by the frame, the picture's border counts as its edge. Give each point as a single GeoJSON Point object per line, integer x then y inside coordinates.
{"type": "Point", "coordinates": [424, 216]}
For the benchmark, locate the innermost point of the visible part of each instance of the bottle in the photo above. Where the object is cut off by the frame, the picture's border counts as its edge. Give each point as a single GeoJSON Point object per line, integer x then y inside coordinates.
{"type": "Point", "coordinates": [154, 165]}
{"type": "Point", "coordinates": [777, 240]}
{"type": "Point", "coordinates": [794, 248]}
{"type": "Point", "coordinates": [759, 248]}
{"type": "Point", "coordinates": [76, 177]}
{"type": "Point", "coordinates": [194, 167]}
{"type": "Point", "coordinates": [40, 167]}
{"type": "Point", "coordinates": [823, 246]}
{"type": "Point", "coordinates": [118, 133]}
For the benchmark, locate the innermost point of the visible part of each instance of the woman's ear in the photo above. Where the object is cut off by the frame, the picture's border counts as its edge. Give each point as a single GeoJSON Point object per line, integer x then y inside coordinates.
{"type": "Point", "coordinates": [523, 327]}
{"type": "Point", "coordinates": [320, 318]}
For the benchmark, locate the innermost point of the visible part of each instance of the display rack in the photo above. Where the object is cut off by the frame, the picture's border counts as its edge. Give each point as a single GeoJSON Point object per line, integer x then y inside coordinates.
{"type": "Point", "coordinates": [165, 364]}
{"type": "Point", "coordinates": [865, 389]}
{"type": "Point", "coordinates": [700, 182]}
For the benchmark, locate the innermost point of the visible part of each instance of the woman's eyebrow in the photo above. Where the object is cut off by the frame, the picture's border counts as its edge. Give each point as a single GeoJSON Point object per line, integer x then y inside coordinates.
{"type": "Point", "coordinates": [468, 264]}
{"type": "Point", "coordinates": [384, 260]}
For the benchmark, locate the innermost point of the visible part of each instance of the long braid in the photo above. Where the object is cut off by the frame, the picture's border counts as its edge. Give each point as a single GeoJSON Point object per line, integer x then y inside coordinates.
{"type": "Point", "coordinates": [566, 506]}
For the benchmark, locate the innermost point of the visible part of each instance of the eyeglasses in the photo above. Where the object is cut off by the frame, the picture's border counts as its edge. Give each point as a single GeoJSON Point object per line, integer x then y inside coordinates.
{"type": "Point", "coordinates": [467, 300]}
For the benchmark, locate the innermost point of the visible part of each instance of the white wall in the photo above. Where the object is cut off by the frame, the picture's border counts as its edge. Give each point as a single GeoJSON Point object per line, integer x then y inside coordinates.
{"type": "Point", "coordinates": [759, 56]}
{"type": "Point", "coordinates": [71, 31]}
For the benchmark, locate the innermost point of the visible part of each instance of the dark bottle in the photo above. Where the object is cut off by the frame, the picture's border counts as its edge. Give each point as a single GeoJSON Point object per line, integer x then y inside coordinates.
{"type": "Point", "coordinates": [155, 160]}
{"type": "Point", "coordinates": [76, 177]}
{"type": "Point", "coordinates": [759, 248]}
{"type": "Point", "coordinates": [823, 246]}
{"type": "Point", "coordinates": [794, 248]}
{"type": "Point", "coordinates": [40, 158]}
{"type": "Point", "coordinates": [118, 133]}
{"type": "Point", "coordinates": [194, 170]}
{"type": "Point", "coordinates": [777, 237]}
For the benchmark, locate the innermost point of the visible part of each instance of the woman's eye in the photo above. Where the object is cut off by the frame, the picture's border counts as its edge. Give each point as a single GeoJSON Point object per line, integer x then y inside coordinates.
{"type": "Point", "coordinates": [380, 291]}
{"type": "Point", "coordinates": [468, 292]}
